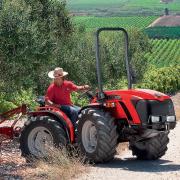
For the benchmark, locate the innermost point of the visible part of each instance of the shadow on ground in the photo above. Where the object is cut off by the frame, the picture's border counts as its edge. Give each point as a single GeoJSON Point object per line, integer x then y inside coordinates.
{"type": "Point", "coordinates": [132, 164]}
{"type": "Point", "coordinates": [9, 170]}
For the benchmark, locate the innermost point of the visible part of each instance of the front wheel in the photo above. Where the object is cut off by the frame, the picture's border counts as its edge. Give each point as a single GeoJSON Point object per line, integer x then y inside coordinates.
{"type": "Point", "coordinates": [97, 135]}
{"type": "Point", "coordinates": [152, 148]}
{"type": "Point", "coordinates": [39, 135]}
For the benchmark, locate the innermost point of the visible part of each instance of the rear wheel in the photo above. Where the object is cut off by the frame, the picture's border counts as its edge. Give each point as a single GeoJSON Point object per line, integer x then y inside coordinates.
{"type": "Point", "coordinates": [39, 135]}
{"type": "Point", "coordinates": [97, 135]}
{"type": "Point", "coordinates": [152, 148]}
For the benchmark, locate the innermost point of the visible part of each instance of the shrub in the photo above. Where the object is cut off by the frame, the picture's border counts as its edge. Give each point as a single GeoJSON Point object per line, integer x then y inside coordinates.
{"type": "Point", "coordinates": [165, 79]}
{"type": "Point", "coordinates": [16, 99]}
{"type": "Point", "coordinates": [79, 101]}
{"type": "Point", "coordinates": [5, 105]}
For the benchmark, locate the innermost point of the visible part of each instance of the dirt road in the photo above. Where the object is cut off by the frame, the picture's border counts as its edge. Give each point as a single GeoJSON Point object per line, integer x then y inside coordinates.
{"type": "Point", "coordinates": [126, 167]}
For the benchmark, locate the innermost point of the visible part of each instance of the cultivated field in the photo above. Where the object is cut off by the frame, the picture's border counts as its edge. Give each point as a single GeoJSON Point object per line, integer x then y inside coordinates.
{"type": "Point", "coordinates": [91, 22]}
{"type": "Point", "coordinates": [164, 52]}
{"type": "Point", "coordinates": [122, 7]}
{"type": "Point", "coordinates": [163, 32]}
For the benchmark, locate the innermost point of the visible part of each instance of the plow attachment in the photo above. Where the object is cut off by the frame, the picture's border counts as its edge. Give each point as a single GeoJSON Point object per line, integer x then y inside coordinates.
{"type": "Point", "coordinates": [8, 122]}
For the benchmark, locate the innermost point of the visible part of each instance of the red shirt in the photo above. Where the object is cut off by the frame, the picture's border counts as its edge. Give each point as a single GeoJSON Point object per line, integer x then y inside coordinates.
{"type": "Point", "coordinates": [61, 94]}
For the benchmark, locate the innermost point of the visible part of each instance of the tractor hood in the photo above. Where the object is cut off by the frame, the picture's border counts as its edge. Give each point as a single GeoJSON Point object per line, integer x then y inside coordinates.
{"type": "Point", "coordinates": [139, 93]}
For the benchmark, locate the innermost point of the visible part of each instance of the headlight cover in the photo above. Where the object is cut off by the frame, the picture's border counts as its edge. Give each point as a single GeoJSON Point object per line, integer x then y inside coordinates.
{"type": "Point", "coordinates": [155, 119]}
{"type": "Point", "coordinates": [170, 118]}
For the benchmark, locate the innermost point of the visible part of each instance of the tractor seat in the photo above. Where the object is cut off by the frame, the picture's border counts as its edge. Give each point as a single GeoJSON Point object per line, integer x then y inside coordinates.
{"type": "Point", "coordinates": [41, 100]}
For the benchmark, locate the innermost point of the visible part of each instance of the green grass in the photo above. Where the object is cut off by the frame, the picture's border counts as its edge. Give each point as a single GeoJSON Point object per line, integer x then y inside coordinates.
{"type": "Point", "coordinates": [91, 23]}
{"type": "Point", "coordinates": [164, 52]}
{"type": "Point", "coordinates": [120, 7]}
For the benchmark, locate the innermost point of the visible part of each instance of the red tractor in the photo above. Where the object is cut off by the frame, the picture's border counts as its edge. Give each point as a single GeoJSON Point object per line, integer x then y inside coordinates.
{"type": "Point", "coordinates": [141, 117]}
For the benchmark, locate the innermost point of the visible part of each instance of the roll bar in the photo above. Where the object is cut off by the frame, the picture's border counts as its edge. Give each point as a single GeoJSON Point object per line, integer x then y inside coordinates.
{"type": "Point", "coordinates": [98, 66]}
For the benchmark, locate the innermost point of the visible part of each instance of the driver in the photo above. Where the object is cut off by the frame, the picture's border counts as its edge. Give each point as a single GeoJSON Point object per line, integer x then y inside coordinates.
{"type": "Point", "coordinates": [59, 93]}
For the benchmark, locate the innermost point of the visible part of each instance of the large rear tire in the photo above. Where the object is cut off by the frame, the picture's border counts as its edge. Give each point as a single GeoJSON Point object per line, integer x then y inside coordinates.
{"type": "Point", "coordinates": [97, 135]}
{"type": "Point", "coordinates": [39, 135]}
{"type": "Point", "coordinates": [152, 148]}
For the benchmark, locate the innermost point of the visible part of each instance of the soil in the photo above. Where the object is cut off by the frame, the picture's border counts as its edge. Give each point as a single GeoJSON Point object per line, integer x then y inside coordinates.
{"type": "Point", "coordinates": [125, 166]}
{"type": "Point", "coordinates": [166, 21]}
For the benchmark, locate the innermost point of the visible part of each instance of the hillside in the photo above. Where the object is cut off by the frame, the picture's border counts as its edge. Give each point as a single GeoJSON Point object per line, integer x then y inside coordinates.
{"type": "Point", "coordinates": [122, 7]}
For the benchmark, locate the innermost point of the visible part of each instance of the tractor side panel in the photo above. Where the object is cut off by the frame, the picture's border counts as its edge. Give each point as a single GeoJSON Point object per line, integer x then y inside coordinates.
{"type": "Point", "coordinates": [132, 111]}
{"type": "Point", "coordinates": [124, 109]}
{"type": "Point", "coordinates": [118, 112]}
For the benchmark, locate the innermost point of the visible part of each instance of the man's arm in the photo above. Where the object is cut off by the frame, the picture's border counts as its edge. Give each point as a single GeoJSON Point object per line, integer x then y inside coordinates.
{"type": "Point", "coordinates": [74, 87]}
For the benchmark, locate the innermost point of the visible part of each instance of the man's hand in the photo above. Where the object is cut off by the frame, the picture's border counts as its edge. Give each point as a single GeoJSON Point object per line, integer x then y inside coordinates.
{"type": "Point", "coordinates": [50, 103]}
{"type": "Point", "coordinates": [86, 87]}
{"type": "Point", "coordinates": [82, 88]}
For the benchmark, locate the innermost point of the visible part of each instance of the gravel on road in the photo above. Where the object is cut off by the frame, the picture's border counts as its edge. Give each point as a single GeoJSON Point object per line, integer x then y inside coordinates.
{"type": "Point", "coordinates": [127, 167]}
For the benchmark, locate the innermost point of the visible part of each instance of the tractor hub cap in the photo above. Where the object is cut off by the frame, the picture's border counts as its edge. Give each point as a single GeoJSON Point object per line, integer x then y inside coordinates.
{"type": "Point", "coordinates": [89, 136]}
{"type": "Point", "coordinates": [40, 140]}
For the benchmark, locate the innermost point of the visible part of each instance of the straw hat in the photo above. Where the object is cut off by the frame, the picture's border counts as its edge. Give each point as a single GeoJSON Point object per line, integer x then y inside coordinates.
{"type": "Point", "coordinates": [57, 72]}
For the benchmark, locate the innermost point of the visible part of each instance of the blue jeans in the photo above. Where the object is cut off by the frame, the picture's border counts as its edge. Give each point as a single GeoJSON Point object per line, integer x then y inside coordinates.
{"type": "Point", "coordinates": [71, 112]}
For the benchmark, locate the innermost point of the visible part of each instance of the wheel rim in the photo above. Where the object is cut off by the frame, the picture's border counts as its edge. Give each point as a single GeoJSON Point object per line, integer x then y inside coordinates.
{"type": "Point", "coordinates": [89, 136]}
{"type": "Point", "coordinates": [39, 141]}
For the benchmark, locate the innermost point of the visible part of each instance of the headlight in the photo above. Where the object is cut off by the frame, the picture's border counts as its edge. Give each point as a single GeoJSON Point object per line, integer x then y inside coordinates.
{"type": "Point", "coordinates": [155, 119]}
{"type": "Point", "coordinates": [171, 119]}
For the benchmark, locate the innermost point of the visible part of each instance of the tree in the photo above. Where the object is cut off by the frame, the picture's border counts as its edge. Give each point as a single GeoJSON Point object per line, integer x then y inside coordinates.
{"type": "Point", "coordinates": [30, 31]}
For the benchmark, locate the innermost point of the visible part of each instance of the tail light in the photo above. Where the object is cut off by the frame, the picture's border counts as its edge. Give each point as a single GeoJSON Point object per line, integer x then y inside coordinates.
{"type": "Point", "coordinates": [109, 104]}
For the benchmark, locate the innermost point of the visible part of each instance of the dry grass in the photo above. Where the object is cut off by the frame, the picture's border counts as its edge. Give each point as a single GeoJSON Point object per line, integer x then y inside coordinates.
{"type": "Point", "coordinates": [176, 101]}
{"type": "Point", "coordinates": [177, 113]}
{"type": "Point", "coordinates": [59, 165]}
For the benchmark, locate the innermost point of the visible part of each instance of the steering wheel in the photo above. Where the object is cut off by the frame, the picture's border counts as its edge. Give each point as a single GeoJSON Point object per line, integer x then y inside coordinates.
{"type": "Point", "coordinates": [88, 93]}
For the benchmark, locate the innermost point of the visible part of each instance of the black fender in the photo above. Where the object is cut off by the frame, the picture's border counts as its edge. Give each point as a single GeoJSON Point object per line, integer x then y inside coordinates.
{"type": "Point", "coordinates": [97, 106]}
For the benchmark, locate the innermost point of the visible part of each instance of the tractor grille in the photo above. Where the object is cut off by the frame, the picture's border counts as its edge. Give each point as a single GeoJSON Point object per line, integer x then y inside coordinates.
{"type": "Point", "coordinates": [146, 108]}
